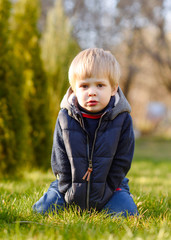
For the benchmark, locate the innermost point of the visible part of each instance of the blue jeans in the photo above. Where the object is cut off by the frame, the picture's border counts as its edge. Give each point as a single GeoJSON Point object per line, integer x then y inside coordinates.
{"type": "Point", "coordinates": [121, 201]}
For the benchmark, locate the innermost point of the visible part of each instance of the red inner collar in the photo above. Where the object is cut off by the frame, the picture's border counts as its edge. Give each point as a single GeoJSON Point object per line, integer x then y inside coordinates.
{"type": "Point", "coordinates": [86, 115]}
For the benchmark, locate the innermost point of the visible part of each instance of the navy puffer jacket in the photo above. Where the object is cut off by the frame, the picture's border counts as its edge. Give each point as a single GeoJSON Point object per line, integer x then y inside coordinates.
{"type": "Point", "coordinates": [112, 152]}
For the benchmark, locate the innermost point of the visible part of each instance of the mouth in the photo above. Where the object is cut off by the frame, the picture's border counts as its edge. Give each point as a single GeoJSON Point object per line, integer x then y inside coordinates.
{"type": "Point", "coordinates": [92, 103]}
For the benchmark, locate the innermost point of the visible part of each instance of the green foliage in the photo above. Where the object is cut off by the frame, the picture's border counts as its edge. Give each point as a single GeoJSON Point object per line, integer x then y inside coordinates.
{"type": "Point", "coordinates": [58, 50]}
{"type": "Point", "coordinates": [13, 117]}
{"type": "Point", "coordinates": [149, 184]}
{"type": "Point", "coordinates": [26, 39]}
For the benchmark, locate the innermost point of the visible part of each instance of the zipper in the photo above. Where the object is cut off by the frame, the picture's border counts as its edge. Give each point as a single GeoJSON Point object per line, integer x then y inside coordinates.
{"type": "Point", "coordinates": [90, 166]}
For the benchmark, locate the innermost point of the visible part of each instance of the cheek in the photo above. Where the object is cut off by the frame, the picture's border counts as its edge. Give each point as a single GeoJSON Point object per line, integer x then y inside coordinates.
{"type": "Point", "coordinates": [80, 97]}
{"type": "Point", "coordinates": [106, 99]}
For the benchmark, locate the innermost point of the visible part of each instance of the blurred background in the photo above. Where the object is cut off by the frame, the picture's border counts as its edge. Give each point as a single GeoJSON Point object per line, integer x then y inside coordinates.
{"type": "Point", "coordinates": [39, 39]}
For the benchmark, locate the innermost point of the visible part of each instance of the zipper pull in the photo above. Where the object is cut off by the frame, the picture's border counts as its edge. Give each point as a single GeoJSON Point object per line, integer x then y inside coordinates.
{"type": "Point", "coordinates": [87, 174]}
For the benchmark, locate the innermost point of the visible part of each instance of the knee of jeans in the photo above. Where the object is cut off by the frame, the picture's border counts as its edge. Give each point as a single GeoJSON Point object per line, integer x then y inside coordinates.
{"type": "Point", "coordinates": [42, 205]}
{"type": "Point", "coordinates": [131, 211]}
{"type": "Point", "coordinates": [126, 213]}
{"type": "Point", "coordinates": [38, 209]}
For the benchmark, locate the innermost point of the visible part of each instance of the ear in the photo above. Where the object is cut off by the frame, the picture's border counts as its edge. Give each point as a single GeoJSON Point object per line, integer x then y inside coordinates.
{"type": "Point", "coordinates": [72, 89]}
{"type": "Point", "coordinates": [114, 90]}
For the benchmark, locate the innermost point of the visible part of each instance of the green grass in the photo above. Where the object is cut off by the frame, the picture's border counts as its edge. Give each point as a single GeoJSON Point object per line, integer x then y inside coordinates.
{"type": "Point", "coordinates": [150, 183]}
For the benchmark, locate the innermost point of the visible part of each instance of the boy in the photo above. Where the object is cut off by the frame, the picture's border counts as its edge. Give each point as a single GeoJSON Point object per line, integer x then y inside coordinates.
{"type": "Point", "coordinates": [93, 141]}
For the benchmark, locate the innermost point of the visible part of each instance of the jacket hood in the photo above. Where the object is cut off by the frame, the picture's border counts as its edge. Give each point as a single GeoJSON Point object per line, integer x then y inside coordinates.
{"type": "Point", "coordinates": [70, 103]}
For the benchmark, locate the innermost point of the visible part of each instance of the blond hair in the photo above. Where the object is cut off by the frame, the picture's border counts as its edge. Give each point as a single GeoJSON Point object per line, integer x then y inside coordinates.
{"type": "Point", "coordinates": [94, 63]}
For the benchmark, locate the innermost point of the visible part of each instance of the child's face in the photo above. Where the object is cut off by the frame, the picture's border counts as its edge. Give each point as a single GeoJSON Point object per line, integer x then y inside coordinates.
{"type": "Point", "coordinates": [94, 94]}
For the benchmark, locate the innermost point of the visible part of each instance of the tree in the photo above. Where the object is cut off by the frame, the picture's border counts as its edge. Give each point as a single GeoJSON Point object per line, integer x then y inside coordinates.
{"type": "Point", "coordinates": [26, 39]}
{"type": "Point", "coordinates": [14, 128]}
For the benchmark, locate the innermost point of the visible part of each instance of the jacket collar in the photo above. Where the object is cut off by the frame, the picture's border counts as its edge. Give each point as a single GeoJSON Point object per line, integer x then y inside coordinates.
{"type": "Point", "coordinates": [70, 103]}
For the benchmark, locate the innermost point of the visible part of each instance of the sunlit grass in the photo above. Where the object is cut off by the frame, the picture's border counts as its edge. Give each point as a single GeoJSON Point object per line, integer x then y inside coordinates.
{"type": "Point", "coordinates": [149, 183]}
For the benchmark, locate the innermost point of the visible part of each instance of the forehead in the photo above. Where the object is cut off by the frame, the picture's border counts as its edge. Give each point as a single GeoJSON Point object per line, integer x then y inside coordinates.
{"type": "Point", "coordinates": [93, 80]}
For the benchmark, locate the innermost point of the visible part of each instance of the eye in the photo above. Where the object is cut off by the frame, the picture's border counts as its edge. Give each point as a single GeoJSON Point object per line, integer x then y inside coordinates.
{"type": "Point", "coordinates": [84, 86]}
{"type": "Point", "coordinates": [100, 85]}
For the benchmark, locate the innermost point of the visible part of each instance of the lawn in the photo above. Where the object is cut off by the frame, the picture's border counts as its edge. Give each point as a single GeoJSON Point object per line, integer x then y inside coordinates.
{"type": "Point", "coordinates": [150, 183]}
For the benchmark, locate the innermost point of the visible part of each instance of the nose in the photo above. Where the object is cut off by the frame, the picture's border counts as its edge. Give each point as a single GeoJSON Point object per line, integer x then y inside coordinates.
{"type": "Point", "coordinates": [92, 92]}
